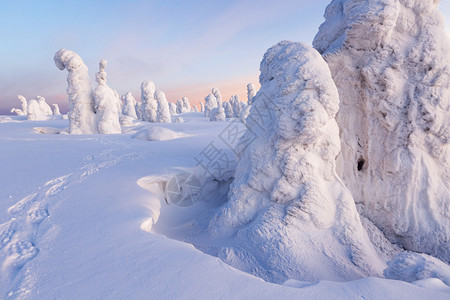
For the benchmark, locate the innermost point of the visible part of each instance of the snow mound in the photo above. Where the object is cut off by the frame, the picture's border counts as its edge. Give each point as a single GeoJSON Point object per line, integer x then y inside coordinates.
{"type": "Point", "coordinates": [410, 267]}
{"type": "Point", "coordinates": [390, 62]}
{"type": "Point", "coordinates": [158, 134]}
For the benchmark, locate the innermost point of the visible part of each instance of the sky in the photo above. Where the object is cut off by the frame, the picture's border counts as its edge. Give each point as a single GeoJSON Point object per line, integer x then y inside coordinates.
{"type": "Point", "coordinates": [185, 47]}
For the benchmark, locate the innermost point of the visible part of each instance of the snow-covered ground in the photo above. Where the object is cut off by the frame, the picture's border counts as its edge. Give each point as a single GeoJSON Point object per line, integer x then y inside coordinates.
{"type": "Point", "coordinates": [76, 216]}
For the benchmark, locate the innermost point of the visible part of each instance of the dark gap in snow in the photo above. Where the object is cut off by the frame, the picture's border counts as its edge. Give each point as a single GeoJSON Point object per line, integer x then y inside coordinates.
{"type": "Point", "coordinates": [361, 162]}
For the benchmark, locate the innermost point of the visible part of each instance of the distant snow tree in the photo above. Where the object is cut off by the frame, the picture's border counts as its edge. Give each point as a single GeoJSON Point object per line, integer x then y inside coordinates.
{"type": "Point", "coordinates": [237, 108]}
{"type": "Point", "coordinates": [81, 115]}
{"type": "Point", "coordinates": [251, 93]}
{"type": "Point", "coordinates": [172, 108]}
{"type": "Point", "coordinates": [210, 104]}
{"type": "Point", "coordinates": [107, 104]}
{"type": "Point", "coordinates": [178, 120]}
{"type": "Point", "coordinates": [23, 111]}
{"type": "Point", "coordinates": [216, 93]}
{"type": "Point", "coordinates": [228, 109]}
{"type": "Point", "coordinates": [35, 112]}
{"type": "Point", "coordinates": [129, 105]}
{"type": "Point", "coordinates": [180, 106]}
{"type": "Point", "coordinates": [45, 108]}
{"type": "Point", "coordinates": [163, 113]}
{"type": "Point", "coordinates": [56, 111]}
{"type": "Point", "coordinates": [149, 105]}
{"type": "Point", "coordinates": [138, 109]}
{"type": "Point", "coordinates": [219, 114]}
{"type": "Point", "coordinates": [186, 104]}
{"type": "Point", "coordinates": [195, 109]}
{"type": "Point", "coordinates": [202, 107]}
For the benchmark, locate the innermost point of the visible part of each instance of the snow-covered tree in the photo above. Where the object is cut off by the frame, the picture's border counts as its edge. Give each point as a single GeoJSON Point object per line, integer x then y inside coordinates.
{"type": "Point", "coordinates": [219, 114]}
{"type": "Point", "coordinates": [172, 108]}
{"type": "Point", "coordinates": [180, 106]}
{"type": "Point", "coordinates": [149, 105]}
{"type": "Point", "coordinates": [45, 108]}
{"type": "Point", "coordinates": [178, 120]}
{"type": "Point", "coordinates": [163, 114]}
{"type": "Point", "coordinates": [210, 104]}
{"type": "Point", "coordinates": [251, 93]}
{"type": "Point", "coordinates": [390, 61]}
{"type": "Point", "coordinates": [34, 111]}
{"type": "Point", "coordinates": [138, 109]}
{"type": "Point", "coordinates": [186, 104]}
{"type": "Point", "coordinates": [228, 109]}
{"type": "Point", "coordinates": [23, 111]}
{"type": "Point", "coordinates": [56, 111]}
{"type": "Point", "coordinates": [129, 105]}
{"type": "Point", "coordinates": [237, 108]}
{"type": "Point", "coordinates": [245, 112]}
{"type": "Point", "coordinates": [216, 93]}
{"type": "Point", "coordinates": [106, 104]}
{"type": "Point", "coordinates": [288, 213]}
{"type": "Point", "coordinates": [195, 109]}
{"type": "Point", "coordinates": [202, 107]}
{"type": "Point", "coordinates": [82, 118]}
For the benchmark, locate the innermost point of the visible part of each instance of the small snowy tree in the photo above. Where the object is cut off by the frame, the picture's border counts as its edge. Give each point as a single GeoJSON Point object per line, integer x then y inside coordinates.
{"type": "Point", "coordinates": [228, 109]}
{"type": "Point", "coordinates": [35, 112]}
{"type": "Point", "coordinates": [82, 119]}
{"type": "Point", "coordinates": [180, 106]}
{"type": "Point", "coordinates": [172, 108]}
{"type": "Point", "coordinates": [138, 109]}
{"type": "Point", "coordinates": [56, 111]}
{"type": "Point", "coordinates": [195, 109]}
{"type": "Point", "coordinates": [251, 93]}
{"type": "Point", "coordinates": [106, 103]}
{"type": "Point", "coordinates": [163, 114]}
{"type": "Point", "coordinates": [202, 107]}
{"type": "Point", "coordinates": [236, 106]}
{"type": "Point", "coordinates": [24, 104]}
{"type": "Point", "coordinates": [45, 108]}
{"type": "Point", "coordinates": [129, 105]}
{"type": "Point", "coordinates": [149, 105]}
{"type": "Point", "coordinates": [216, 93]}
{"type": "Point", "coordinates": [186, 104]}
{"type": "Point", "coordinates": [210, 104]}
{"type": "Point", "coordinates": [219, 114]}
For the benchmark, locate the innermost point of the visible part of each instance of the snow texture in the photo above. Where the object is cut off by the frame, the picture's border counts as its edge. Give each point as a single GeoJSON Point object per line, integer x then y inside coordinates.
{"type": "Point", "coordinates": [163, 113]}
{"type": "Point", "coordinates": [149, 105]}
{"type": "Point", "coordinates": [129, 105]}
{"type": "Point", "coordinates": [410, 267]}
{"type": "Point", "coordinates": [56, 111]}
{"type": "Point", "coordinates": [390, 62]}
{"type": "Point", "coordinates": [107, 104]}
{"type": "Point", "coordinates": [82, 119]}
{"type": "Point", "coordinates": [45, 108]}
{"type": "Point", "coordinates": [288, 212]}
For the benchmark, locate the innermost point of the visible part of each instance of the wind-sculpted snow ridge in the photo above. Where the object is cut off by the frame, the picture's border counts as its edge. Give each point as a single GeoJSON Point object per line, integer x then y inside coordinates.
{"type": "Point", "coordinates": [106, 104]}
{"type": "Point", "coordinates": [82, 118]}
{"type": "Point", "coordinates": [289, 216]}
{"type": "Point", "coordinates": [390, 62]}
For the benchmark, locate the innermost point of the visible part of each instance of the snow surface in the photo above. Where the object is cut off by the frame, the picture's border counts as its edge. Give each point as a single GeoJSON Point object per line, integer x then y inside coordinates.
{"type": "Point", "coordinates": [70, 222]}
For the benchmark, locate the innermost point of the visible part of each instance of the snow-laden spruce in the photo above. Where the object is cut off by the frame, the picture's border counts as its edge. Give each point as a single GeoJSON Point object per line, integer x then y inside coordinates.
{"type": "Point", "coordinates": [55, 109]}
{"type": "Point", "coordinates": [180, 106]}
{"type": "Point", "coordinates": [149, 105]}
{"type": "Point", "coordinates": [34, 111]}
{"type": "Point", "coordinates": [129, 105]}
{"type": "Point", "coordinates": [45, 108]}
{"type": "Point", "coordinates": [251, 93]}
{"type": "Point", "coordinates": [23, 111]}
{"type": "Point", "coordinates": [218, 95]}
{"type": "Point", "coordinates": [236, 105]}
{"type": "Point", "coordinates": [228, 109]}
{"type": "Point", "coordinates": [390, 61]}
{"type": "Point", "coordinates": [288, 212]}
{"type": "Point", "coordinates": [172, 108]}
{"type": "Point", "coordinates": [163, 113]}
{"type": "Point", "coordinates": [210, 104]}
{"type": "Point", "coordinates": [81, 115]}
{"type": "Point", "coordinates": [106, 104]}
{"type": "Point", "coordinates": [186, 104]}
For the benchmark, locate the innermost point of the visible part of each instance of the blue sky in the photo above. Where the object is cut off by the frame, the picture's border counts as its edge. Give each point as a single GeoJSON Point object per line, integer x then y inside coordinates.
{"type": "Point", "coordinates": [185, 47]}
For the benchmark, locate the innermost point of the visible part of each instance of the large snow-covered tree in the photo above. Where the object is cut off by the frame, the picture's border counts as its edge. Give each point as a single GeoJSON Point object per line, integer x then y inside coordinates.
{"type": "Point", "coordinates": [288, 212]}
{"type": "Point", "coordinates": [81, 115]}
{"type": "Point", "coordinates": [45, 108]}
{"type": "Point", "coordinates": [163, 114]}
{"type": "Point", "coordinates": [390, 61]}
{"type": "Point", "coordinates": [129, 105]}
